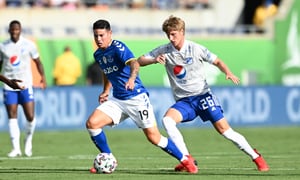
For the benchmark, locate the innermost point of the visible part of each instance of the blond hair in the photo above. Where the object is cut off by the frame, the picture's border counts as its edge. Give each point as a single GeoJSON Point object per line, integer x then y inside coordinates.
{"type": "Point", "coordinates": [173, 24]}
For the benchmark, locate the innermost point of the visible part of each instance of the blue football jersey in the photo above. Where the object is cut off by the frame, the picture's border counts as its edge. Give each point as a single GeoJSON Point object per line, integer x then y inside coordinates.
{"type": "Point", "coordinates": [113, 62]}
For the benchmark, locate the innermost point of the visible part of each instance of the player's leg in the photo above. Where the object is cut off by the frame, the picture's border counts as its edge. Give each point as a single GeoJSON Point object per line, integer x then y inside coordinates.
{"type": "Point", "coordinates": [27, 102]}
{"type": "Point", "coordinates": [94, 125]}
{"type": "Point", "coordinates": [240, 141]}
{"type": "Point", "coordinates": [14, 130]}
{"type": "Point", "coordinates": [29, 127]}
{"type": "Point", "coordinates": [11, 104]}
{"type": "Point", "coordinates": [98, 119]}
{"type": "Point", "coordinates": [172, 117]}
{"type": "Point", "coordinates": [170, 120]}
{"type": "Point", "coordinates": [141, 111]}
{"type": "Point", "coordinates": [210, 109]}
{"type": "Point", "coordinates": [153, 135]}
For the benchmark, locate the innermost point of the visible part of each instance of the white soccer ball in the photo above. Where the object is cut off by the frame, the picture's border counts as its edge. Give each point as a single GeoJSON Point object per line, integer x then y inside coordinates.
{"type": "Point", "coordinates": [105, 163]}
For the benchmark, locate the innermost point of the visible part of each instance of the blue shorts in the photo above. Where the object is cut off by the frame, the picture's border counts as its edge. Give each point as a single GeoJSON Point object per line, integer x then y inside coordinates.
{"type": "Point", "coordinates": [205, 106]}
{"type": "Point", "coordinates": [18, 97]}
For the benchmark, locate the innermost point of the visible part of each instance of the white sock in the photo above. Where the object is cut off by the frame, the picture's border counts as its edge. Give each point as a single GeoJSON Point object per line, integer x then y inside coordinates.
{"type": "Point", "coordinates": [14, 132]}
{"type": "Point", "coordinates": [94, 132]}
{"type": "Point", "coordinates": [30, 127]}
{"type": "Point", "coordinates": [240, 142]}
{"type": "Point", "coordinates": [163, 142]}
{"type": "Point", "coordinates": [175, 134]}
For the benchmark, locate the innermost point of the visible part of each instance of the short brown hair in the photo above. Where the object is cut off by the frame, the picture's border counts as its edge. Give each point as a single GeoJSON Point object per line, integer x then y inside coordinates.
{"type": "Point", "coordinates": [173, 24]}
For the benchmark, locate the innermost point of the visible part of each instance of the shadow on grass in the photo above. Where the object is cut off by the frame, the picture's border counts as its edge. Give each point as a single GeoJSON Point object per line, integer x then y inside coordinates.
{"type": "Point", "coordinates": [155, 172]}
{"type": "Point", "coordinates": [40, 170]}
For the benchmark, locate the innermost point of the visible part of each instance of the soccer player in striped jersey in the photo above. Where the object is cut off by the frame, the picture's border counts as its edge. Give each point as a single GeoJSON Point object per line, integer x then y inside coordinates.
{"type": "Point", "coordinates": [16, 54]}
{"type": "Point", "coordinates": [129, 97]}
{"type": "Point", "coordinates": [184, 62]}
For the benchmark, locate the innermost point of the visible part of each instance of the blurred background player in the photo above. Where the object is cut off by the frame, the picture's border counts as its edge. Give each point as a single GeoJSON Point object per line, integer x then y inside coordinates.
{"type": "Point", "coordinates": [263, 13]}
{"type": "Point", "coordinates": [67, 68]}
{"type": "Point", "coordinates": [183, 61]}
{"type": "Point", "coordinates": [94, 74]}
{"type": "Point", "coordinates": [16, 54]}
{"type": "Point", "coordinates": [130, 98]}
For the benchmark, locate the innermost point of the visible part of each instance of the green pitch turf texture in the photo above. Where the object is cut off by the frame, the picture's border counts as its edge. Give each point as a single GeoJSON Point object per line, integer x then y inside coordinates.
{"type": "Point", "coordinates": [68, 155]}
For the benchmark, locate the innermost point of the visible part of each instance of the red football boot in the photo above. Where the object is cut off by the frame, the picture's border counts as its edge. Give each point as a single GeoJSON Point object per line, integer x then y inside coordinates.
{"type": "Point", "coordinates": [261, 163]}
{"type": "Point", "coordinates": [189, 165]}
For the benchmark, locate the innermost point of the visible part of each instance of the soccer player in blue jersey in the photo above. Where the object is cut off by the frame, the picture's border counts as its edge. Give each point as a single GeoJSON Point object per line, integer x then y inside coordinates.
{"type": "Point", "coordinates": [129, 96]}
{"type": "Point", "coordinates": [184, 62]}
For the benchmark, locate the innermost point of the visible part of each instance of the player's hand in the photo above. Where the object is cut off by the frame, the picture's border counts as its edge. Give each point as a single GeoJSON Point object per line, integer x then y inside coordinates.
{"type": "Point", "coordinates": [103, 97]}
{"type": "Point", "coordinates": [233, 78]}
{"type": "Point", "coordinates": [14, 83]}
{"type": "Point", "coordinates": [43, 83]}
{"type": "Point", "coordinates": [161, 59]}
{"type": "Point", "coordinates": [129, 84]}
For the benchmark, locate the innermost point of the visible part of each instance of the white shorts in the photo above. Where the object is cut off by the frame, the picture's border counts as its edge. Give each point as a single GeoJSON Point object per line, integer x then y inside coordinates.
{"type": "Point", "coordinates": [138, 108]}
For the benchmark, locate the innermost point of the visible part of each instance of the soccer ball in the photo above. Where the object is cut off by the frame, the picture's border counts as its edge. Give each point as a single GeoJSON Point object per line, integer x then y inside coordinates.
{"type": "Point", "coordinates": [105, 163]}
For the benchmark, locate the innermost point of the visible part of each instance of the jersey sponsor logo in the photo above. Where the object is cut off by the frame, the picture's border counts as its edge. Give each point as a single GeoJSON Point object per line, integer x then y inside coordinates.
{"type": "Point", "coordinates": [179, 71]}
{"type": "Point", "coordinates": [109, 70]}
{"type": "Point", "coordinates": [14, 60]}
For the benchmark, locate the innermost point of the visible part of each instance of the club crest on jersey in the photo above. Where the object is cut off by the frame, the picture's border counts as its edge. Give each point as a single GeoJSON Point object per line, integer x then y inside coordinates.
{"type": "Point", "coordinates": [14, 60]}
{"type": "Point", "coordinates": [110, 59]}
{"type": "Point", "coordinates": [179, 71]}
{"type": "Point", "coordinates": [104, 60]}
{"type": "Point", "coordinates": [189, 60]}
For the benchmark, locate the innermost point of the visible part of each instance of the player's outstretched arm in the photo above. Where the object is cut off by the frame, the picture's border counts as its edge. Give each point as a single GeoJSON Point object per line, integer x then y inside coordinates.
{"type": "Point", "coordinates": [144, 61]}
{"type": "Point", "coordinates": [224, 68]}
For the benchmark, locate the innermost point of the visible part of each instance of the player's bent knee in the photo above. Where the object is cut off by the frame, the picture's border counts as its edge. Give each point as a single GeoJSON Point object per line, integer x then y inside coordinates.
{"type": "Point", "coordinates": [88, 124]}
{"type": "Point", "coordinates": [91, 124]}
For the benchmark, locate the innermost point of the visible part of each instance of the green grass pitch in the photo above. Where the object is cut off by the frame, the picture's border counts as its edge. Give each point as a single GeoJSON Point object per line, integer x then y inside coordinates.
{"type": "Point", "coordinates": [68, 155]}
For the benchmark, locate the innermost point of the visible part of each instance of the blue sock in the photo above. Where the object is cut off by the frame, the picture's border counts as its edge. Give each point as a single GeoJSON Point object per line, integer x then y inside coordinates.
{"type": "Point", "coordinates": [101, 142]}
{"type": "Point", "coordinates": [173, 150]}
